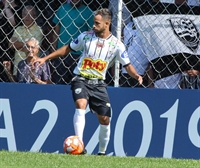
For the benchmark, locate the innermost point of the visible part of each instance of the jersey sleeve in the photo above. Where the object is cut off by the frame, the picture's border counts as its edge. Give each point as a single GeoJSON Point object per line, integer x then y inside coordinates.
{"type": "Point", "coordinates": [122, 55]}
{"type": "Point", "coordinates": [78, 43]}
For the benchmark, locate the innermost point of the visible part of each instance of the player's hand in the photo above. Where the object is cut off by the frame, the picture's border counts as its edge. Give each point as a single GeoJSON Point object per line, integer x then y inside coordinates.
{"type": "Point", "coordinates": [140, 79]}
{"type": "Point", "coordinates": [40, 61]}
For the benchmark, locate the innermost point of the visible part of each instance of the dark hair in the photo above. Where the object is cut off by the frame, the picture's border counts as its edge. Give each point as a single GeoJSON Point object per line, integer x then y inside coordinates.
{"type": "Point", "coordinates": [105, 13]}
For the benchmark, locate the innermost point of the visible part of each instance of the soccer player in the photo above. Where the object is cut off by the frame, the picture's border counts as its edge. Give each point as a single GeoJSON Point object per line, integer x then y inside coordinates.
{"type": "Point", "coordinates": [100, 49]}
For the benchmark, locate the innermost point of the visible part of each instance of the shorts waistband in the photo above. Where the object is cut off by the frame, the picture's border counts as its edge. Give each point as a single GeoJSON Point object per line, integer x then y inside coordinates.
{"type": "Point", "coordinates": [90, 81]}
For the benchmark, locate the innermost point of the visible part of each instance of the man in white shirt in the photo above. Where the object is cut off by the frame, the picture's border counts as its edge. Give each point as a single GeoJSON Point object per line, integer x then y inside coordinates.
{"type": "Point", "coordinates": [126, 15]}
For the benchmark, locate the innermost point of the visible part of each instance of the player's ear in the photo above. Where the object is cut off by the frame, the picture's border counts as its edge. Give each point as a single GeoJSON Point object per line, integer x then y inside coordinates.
{"type": "Point", "coordinates": [107, 23]}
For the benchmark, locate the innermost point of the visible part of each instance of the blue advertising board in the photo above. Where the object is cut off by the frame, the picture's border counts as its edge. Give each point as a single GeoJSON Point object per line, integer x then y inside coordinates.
{"type": "Point", "coordinates": [145, 122]}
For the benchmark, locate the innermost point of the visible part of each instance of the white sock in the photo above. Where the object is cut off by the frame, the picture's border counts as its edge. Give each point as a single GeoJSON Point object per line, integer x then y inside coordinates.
{"type": "Point", "coordinates": [104, 137]}
{"type": "Point", "coordinates": [79, 122]}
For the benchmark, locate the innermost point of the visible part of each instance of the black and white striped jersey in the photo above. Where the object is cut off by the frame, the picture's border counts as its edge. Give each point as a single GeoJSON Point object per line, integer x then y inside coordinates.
{"type": "Point", "coordinates": [98, 54]}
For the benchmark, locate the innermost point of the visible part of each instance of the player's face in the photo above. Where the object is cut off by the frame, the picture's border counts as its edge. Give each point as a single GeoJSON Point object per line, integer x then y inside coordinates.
{"type": "Point", "coordinates": [32, 49]}
{"type": "Point", "coordinates": [99, 24]}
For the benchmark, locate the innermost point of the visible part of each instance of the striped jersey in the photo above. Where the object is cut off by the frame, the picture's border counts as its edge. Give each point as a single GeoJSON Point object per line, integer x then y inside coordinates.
{"type": "Point", "coordinates": [97, 54]}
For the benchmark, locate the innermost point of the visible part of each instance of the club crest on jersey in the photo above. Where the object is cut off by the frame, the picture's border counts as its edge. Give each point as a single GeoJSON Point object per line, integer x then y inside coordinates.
{"type": "Point", "coordinates": [97, 65]}
{"type": "Point", "coordinates": [186, 32]}
{"type": "Point", "coordinates": [86, 37]}
{"type": "Point", "coordinates": [124, 54]}
{"type": "Point", "coordinates": [78, 90]}
{"type": "Point", "coordinates": [75, 41]}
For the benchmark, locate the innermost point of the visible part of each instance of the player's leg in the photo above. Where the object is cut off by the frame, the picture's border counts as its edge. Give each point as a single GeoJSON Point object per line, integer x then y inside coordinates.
{"type": "Point", "coordinates": [104, 133]}
{"type": "Point", "coordinates": [79, 117]}
{"type": "Point", "coordinates": [80, 99]}
{"type": "Point", "coordinates": [100, 104]}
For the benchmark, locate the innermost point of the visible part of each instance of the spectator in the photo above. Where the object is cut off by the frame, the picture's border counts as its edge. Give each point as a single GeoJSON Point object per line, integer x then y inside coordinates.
{"type": "Point", "coordinates": [136, 54]}
{"type": "Point", "coordinates": [193, 2]}
{"type": "Point", "coordinates": [178, 2]}
{"type": "Point", "coordinates": [70, 19]}
{"type": "Point", "coordinates": [44, 20]}
{"type": "Point", "coordinates": [96, 4]}
{"type": "Point", "coordinates": [126, 16]}
{"type": "Point", "coordinates": [29, 29]}
{"type": "Point", "coordinates": [27, 72]}
{"type": "Point", "coordinates": [48, 11]}
{"type": "Point", "coordinates": [9, 19]}
{"type": "Point", "coordinates": [170, 82]}
{"type": "Point", "coordinates": [190, 79]}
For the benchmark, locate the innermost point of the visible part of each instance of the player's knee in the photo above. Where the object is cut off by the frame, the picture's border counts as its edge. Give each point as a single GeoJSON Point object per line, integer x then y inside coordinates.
{"type": "Point", "coordinates": [79, 112]}
{"type": "Point", "coordinates": [104, 120]}
{"type": "Point", "coordinates": [81, 104]}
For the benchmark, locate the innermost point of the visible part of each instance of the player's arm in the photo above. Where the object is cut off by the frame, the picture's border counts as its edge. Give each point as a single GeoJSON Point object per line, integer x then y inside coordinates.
{"type": "Point", "coordinates": [58, 53]}
{"type": "Point", "coordinates": [133, 73]}
{"type": "Point", "coordinates": [125, 61]}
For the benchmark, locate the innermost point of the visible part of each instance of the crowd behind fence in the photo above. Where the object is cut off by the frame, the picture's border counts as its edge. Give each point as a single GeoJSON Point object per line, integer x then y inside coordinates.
{"type": "Point", "coordinates": [162, 38]}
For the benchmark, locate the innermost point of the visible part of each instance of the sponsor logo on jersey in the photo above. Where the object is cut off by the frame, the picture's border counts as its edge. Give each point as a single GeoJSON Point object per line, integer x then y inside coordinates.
{"type": "Point", "coordinates": [124, 54]}
{"type": "Point", "coordinates": [99, 44]}
{"type": "Point", "coordinates": [97, 65]}
{"type": "Point", "coordinates": [90, 76]}
{"type": "Point", "coordinates": [75, 41]}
